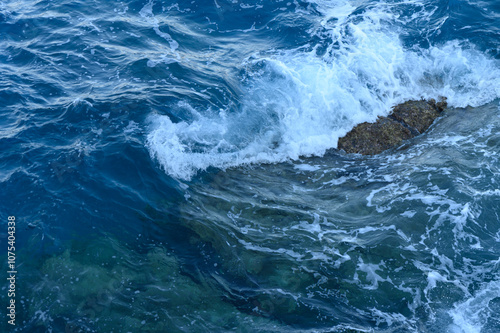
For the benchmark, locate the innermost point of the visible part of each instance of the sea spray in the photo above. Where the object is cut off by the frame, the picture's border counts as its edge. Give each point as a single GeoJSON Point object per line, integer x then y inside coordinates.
{"type": "Point", "coordinates": [298, 102]}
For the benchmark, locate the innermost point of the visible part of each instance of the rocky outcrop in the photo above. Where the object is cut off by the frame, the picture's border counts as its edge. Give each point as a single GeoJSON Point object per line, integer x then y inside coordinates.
{"type": "Point", "coordinates": [406, 121]}
{"type": "Point", "coordinates": [373, 138]}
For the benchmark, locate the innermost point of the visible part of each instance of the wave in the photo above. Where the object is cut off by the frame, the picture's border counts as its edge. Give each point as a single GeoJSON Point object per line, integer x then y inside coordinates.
{"type": "Point", "coordinates": [298, 102]}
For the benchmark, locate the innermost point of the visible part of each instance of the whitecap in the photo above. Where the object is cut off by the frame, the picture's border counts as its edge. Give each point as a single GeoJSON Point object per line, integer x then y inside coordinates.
{"type": "Point", "coordinates": [298, 102]}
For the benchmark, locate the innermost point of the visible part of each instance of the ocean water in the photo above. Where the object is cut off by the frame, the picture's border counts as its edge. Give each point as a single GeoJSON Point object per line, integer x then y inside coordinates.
{"type": "Point", "coordinates": [172, 166]}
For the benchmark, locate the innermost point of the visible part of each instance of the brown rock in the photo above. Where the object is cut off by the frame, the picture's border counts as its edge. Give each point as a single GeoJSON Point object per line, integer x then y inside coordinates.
{"type": "Point", "coordinates": [407, 120]}
{"type": "Point", "coordinates": [442, 104]}
{"type": "Point", "coordinates": [374, 138]}
{"type": "Point", "coordinates": [418, 115]}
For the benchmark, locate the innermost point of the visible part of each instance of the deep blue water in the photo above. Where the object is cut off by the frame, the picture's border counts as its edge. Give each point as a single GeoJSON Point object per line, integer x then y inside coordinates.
{"type": "Point", "coordinates": [172, 166]}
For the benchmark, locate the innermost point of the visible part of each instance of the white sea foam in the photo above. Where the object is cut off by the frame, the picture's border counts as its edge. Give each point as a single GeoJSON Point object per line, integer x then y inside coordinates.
{"type": "Point", "coordinates": [371, 273]}
{"type": "Point", "coordinates": [147, 13]}
{"type": "Point", "coordinates": [471, 315]}
{"type": "Point", "coordinates": [298, 103]}
{"type": "Point", "coordinates": [307, 167]}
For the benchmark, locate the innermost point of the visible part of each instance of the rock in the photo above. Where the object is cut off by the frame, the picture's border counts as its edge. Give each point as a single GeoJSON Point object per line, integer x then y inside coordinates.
{"type": "Point", "coordinates": [417, 115]}
{"type": "Point", "coordinates": [374, 138]}
{"type": "Point", "coordinates": [406, 121]}
{"type": "Point", "coordinates": [442, 104]}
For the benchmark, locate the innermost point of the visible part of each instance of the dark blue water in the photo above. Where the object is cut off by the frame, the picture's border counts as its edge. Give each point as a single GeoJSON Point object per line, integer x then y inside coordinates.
{"type": "Point", "coordinates": [172, 166]}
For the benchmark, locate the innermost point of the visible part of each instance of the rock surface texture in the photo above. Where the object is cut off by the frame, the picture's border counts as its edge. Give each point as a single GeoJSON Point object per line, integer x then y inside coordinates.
{"type": "Point", "coordinates": [406, 121]}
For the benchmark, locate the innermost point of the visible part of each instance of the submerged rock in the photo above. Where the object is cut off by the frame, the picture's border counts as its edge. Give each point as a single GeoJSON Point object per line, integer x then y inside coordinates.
{"type": "Point", "coordinates": [406, 121]}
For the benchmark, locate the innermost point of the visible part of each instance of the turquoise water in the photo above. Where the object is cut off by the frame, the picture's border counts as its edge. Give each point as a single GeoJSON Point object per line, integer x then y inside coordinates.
{"type": "Point", "coordinates": [172, 166]}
